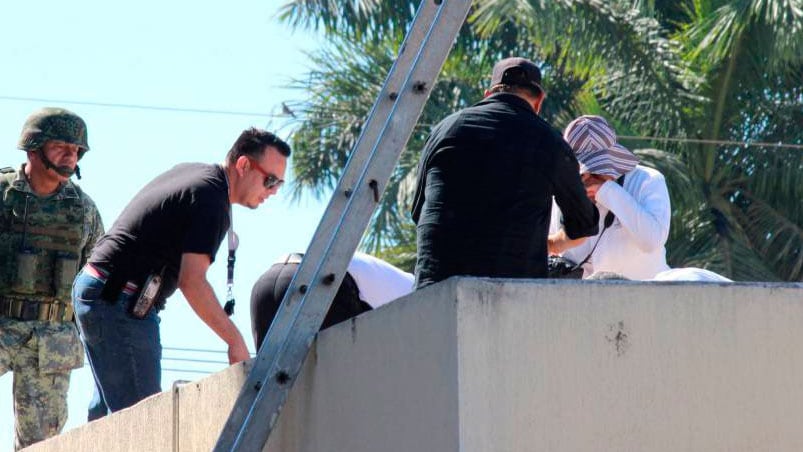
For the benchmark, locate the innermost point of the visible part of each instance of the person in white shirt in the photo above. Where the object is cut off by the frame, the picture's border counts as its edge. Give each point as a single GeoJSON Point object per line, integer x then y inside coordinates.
{"type": "Point", "coordinates": [638, 199]}
{"type": "Point", "coordinates": [633, 245]}
{"type": "Point", "coordinates": [378, 281]}
{"type": "Point", "coordinates": [369, 283]}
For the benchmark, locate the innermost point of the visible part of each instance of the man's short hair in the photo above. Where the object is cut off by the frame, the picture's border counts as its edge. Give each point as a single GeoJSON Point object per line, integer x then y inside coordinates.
{"type": "Point", "coordinates": [252, 143]}
{"type": "Point", "coordinates": [530, 91]}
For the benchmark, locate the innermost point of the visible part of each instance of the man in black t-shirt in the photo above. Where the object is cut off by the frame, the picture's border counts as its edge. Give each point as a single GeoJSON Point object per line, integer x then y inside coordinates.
{"type": "Point", "coordinates": [486, 181]}
{"type": "Point", "coordinates": [169, 232]}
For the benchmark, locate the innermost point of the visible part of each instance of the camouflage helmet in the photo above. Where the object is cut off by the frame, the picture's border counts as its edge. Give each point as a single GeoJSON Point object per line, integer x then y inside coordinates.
{"type": "Point", "coordinates": [53, 124]}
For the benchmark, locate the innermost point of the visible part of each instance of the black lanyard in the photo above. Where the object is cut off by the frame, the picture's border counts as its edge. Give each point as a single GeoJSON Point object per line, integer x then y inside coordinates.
{"type": "Point", "coordinates": [234, 241]}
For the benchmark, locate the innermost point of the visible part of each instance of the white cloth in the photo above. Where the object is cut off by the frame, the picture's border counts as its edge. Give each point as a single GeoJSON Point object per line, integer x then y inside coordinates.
{"type": "Point", "coordinates": [690, 274]}
{"type": "Point", "coordinates": [379, 282]}
{"type": "Point", "coordinates": [633, 245]}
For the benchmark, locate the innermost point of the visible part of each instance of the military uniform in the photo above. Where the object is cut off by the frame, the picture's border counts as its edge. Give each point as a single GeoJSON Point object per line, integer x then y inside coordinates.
{"type": "Point", "coordinates": [44, 240]}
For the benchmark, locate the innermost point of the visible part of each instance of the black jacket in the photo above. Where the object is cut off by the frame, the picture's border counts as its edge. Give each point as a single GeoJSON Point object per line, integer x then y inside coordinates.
{"type": "Point", "coordinates": [485, 186]}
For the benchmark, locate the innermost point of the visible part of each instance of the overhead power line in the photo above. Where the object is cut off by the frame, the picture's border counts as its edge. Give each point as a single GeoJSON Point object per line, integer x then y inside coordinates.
{"type": "Point", "coordinates": [200, 350]}
{"type": "Point", "coordinates": [191, 360]}
{"type": "Point", "coordinates": [287, 113]}
{"type": "Point", "coordinates": [716, 142]}
{"type": "Point", "coordinates": [689, 140]}
{"type": "Point", "coordinates": [194, 371]}
{"type": "Point", "coordinates": [197, 350]}
{"type": "Point", "coordinates": [164, 369]}
{"type": "Point", "coordinates": [145, 107]}
{"type": "Point", "coordinates": [221, 364]}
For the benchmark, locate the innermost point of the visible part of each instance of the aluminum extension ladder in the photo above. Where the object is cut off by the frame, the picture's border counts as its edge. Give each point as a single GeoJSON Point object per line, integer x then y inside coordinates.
{"type": "Point", "coordinates": [354, 200]}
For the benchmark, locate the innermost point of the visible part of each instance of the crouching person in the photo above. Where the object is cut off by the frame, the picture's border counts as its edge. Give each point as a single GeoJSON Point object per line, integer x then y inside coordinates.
{"type": "Point", "coordinates": [369, 283]}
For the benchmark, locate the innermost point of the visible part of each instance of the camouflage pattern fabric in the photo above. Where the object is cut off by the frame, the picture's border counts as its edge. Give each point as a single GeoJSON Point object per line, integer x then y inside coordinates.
{"type": "Point", "coordinates": [41, 355]}
{"type": "Point", "coordinates": [59, 232]}
{"type": "Point", "coordinates": [53, 124]}
{"type": "Point", "coordinates": [56, 232]}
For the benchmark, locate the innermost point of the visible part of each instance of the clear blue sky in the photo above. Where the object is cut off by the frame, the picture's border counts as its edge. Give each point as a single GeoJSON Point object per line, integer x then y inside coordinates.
{"type": "Point", "coordinates": [230, 56]}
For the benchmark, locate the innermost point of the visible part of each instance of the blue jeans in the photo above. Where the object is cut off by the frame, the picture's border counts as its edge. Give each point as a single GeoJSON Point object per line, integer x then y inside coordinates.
{"type": "Point", "coordinates": [125, 352]}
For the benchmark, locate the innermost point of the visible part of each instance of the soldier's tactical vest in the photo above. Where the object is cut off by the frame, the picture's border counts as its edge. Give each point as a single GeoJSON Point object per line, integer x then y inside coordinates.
{"type": "Point", "coordinates": [41, 240]}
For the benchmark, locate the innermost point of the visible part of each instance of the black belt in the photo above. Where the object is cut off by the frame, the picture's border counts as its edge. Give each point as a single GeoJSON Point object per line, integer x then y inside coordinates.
{"type": "Point", "coordinates": [26, 309]}
{"type": "Point", "coordinates": [110, 292]}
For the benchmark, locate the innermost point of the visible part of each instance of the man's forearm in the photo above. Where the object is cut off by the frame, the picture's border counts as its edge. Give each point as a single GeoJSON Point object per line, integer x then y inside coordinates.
{"type": "Point", "coordinates": [204, 302]}
{"type": "Point", "coordinates": [559, 242]}
{"type": "Point", "coordinates": [196, 289]}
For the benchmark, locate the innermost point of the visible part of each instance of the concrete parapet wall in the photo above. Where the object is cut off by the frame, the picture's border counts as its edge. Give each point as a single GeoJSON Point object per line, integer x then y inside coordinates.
{"type": "Point", "coordinates": [630, 367]}
{"type": "Point", "coordinates": [147, 426]}
{"type": "Point", "coordinates": [517, 365]}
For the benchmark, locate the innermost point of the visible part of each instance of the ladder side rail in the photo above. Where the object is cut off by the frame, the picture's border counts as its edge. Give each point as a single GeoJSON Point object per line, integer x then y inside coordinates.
{"type": "Point", "coordinates": [378, 114]}
{"type": "Point", "coordinates": [307, 271]}
{"type": "Point", "coordinates": [320, 273]}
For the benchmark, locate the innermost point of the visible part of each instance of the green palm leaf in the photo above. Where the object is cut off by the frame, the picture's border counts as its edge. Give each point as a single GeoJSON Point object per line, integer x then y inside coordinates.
{"type": "Point", "coordinates": [697, 69]}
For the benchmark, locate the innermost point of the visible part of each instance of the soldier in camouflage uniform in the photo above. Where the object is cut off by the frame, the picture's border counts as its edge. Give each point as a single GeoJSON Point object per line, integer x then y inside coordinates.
{"type": "Point", "coordinates": [48, 227]}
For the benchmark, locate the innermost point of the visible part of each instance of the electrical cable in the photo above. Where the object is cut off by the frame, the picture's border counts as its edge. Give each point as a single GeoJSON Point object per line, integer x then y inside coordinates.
{"type": "Point", "coordinates": [144, 107]}
{"type": "Point", "coordinates": [200, 350]}
{"type": "Point", "coordinates": [190, 360]}
{"type": "Point", "coordinates": [717, 142]}
{"type": "Point", "coordinates": [165, 369]}
{"type": "Point", "coordinates": [286, 114]}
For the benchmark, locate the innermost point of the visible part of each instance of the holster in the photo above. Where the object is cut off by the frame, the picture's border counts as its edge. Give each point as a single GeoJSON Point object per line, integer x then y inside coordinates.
{"type": "Point", "coordinates": [113, 287]}
{"type": "Point", "coordinates": [116, 282]}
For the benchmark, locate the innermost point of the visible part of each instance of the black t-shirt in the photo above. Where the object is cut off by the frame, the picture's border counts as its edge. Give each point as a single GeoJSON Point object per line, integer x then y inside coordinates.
{"type": "Point", "coordinates": [185, 210]}
{"type": "Point", "coordinates": [486, 181]}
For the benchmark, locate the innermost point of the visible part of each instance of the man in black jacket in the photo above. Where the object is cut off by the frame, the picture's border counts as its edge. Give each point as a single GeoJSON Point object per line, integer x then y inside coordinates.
{"type": "Point", "coordinates": [487, 177]}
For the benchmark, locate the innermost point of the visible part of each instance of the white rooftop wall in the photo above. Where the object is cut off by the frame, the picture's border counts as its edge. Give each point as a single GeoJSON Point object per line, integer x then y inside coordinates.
{"type": "Point", "coordinates": [519, 365]}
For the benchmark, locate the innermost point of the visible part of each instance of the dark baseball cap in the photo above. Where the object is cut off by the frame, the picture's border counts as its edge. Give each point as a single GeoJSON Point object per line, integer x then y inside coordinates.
{"type": "Point", "coordinates": [516, 71]}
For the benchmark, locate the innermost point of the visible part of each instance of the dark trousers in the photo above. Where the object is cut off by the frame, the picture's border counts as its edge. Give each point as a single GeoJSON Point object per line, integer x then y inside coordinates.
{"type": "Point", "coordinates": [268, 291]}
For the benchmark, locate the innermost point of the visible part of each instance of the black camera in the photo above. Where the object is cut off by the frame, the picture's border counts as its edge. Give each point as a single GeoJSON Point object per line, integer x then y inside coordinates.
{"type": "Point", "coordinates": [559, 267]}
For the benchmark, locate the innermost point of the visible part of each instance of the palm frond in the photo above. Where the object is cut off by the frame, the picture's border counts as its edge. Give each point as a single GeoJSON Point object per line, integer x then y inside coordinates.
{"type": "Point", "coordinates": [639, 76]}
{"type": "Point", "coordinates": [771, 25]}
{"type": "Point", "coordinates": [692, 68]}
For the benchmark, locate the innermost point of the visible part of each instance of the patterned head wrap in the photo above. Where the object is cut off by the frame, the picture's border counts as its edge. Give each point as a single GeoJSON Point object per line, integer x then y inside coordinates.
{"type": "Point", "coordinates": [594, 143]}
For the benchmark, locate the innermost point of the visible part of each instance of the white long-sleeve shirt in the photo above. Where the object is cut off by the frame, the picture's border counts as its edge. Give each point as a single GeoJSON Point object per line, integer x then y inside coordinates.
{"type": "Point", "coordinates": [633, 245]}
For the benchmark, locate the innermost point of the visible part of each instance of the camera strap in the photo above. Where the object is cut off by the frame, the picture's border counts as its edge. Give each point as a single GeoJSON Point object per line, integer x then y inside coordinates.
{"type": "Point", "coordinates": [609, 218]}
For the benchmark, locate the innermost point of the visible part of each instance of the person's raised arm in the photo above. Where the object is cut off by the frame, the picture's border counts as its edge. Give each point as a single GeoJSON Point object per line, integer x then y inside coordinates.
{"type": "Point", "coordinates": [645, 215]}
{"type": "Point", "coordinates": [199, 293]}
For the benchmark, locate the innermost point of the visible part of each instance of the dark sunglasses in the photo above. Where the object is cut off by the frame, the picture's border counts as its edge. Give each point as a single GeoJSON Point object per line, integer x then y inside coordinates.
{"type": "Point", "coordinates": [271, 180]}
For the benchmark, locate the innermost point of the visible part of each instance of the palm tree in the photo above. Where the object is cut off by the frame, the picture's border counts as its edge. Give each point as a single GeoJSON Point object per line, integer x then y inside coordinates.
{"type": "Point", "coordinates": [658, 69]}
{"type": "Point", "coordinates": [339, 94]}
{"type": "Point", "coordinates": [749, 53]}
